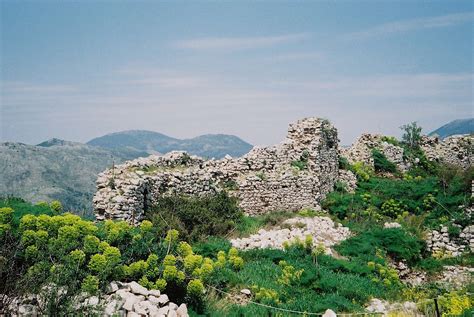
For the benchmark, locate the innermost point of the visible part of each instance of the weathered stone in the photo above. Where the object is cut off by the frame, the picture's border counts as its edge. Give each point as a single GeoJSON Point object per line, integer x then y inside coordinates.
{"type": "Point", "coordinates": [163, 299]}
{"type": "Point", "coordinates": [293, 175]}
{"type": "Point", "coordinates": [130, 301]}
{"type": "Point", "coordinates": [155, 292]}
{"type": "Point", "coordinates": [182, 311]}
{"type": "Point", "coordinates": [139, 308]}
{"type": "Point", "coordinates": [138, 289]}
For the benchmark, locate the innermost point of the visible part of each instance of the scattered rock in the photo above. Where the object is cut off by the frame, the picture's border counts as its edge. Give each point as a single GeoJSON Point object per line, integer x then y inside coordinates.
{"type": "Point", "coordinates": [246, 291]}
{"type": "Point", "coordinates": [322, 229]}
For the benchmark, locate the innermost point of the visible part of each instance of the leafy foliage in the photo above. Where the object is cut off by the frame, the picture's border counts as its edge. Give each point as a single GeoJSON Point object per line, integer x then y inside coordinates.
{"type": "Point", "coordinates": [411, 135]}
{"type": "Point", "coordinates": [381, 163]}
{"type": "Point", "coordinates": [76, 254]}
{"type": "Point", "coordinates": [196, 218]}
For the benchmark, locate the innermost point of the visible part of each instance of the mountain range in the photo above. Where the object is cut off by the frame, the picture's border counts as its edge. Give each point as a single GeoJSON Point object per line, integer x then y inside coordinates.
{"type": "Point", "coordinates": [460, 126]}
{"type": "Point", "coordinates": [209, 145]}
{"type": "Point", "coordinates": [66, 171]}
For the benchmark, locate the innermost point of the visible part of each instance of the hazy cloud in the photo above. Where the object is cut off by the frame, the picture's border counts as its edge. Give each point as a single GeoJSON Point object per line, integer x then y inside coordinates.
{"type": "Point", "coordinates": [257, 111]}
{"type": "Point", "coordinates": [413, 24]}
{"type": "Point", "coordinates": [238, 43]}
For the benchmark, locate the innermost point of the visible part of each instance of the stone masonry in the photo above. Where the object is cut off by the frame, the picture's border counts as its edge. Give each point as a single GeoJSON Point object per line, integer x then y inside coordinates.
{"type": "Point", "coordinates": [457, 150]}
{"type": "Point", "coordinates": [292, 175]}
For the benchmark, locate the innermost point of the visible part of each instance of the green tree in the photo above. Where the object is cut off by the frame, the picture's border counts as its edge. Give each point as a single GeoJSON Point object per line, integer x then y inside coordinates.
{"type": "Point", "coordinates": [412, 134]}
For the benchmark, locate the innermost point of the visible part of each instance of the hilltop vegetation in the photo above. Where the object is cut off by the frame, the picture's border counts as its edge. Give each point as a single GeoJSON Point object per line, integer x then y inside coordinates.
{"type": "Point", "coordinates": [184, 249]}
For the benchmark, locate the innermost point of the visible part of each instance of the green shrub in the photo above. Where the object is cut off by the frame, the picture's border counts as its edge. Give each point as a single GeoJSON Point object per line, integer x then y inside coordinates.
{"type": "Point", "coordinates": [196, 218]}
{"type": "Point", "coordinates": [396, 242]}
{"type": "Point", "coordinates": [381, 163]}
{"type": "Point", "coordinates": [79, 255]}
{"type": "Point", "coordinates": [302, 163]}
{"type": "Point", "coordinates": [344, 163]}
{"type": "Point", "coordinates": [362, 171]}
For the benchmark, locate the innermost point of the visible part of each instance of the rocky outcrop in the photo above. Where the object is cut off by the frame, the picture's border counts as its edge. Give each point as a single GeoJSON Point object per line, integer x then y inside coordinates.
{"type": "Point", "coordinates": [323, 231]}
{"type": "Point", "coordinates": [293, 175]}
{"type": "Point", "coordinates": [122, 299]}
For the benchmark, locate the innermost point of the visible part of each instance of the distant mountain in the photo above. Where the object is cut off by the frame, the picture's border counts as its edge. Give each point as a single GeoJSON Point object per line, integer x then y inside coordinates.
{"type": "Point", "coordinates": [56, 169]}
{"type": "Point", "coordinates": [67, 171]}
{"type": "Point", "coordinates": [209, 145]}
{"type": "Point", "coordinates": [460, 126]}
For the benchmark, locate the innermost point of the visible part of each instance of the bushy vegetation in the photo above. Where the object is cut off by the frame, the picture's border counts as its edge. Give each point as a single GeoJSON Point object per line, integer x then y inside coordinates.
{"type": "Point", "coordinates": [290, 279]}
{"type": "Point", "coordinates": [77, 255]}
{"type": "Point", "coordinates": [434, 199]}
{"type": "Point", "coordinates": [381, 163]}
{"type": "Point", "coordinates": [196, 218]}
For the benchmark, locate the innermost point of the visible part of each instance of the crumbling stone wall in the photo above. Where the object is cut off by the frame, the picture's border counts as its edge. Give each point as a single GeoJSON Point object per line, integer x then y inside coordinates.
{"type": "Point", "coordinates": [295, 174]}
{"type": "Point", "coordinates": [457, 150]}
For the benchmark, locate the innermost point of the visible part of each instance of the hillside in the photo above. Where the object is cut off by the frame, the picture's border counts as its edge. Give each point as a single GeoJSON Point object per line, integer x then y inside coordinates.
{"type": "Point", "coordinates": [209, 145]}
{"type": "Point", "coordinates": [56, 169]}
{"type": "Point", "coordinates": [460, 126]}
{"type": "Point", "coordinates": [67, 171]}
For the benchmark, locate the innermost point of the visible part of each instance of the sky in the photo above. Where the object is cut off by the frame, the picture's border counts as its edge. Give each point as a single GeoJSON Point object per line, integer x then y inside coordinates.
{"type": "Point", "coordinates": [76, 70]}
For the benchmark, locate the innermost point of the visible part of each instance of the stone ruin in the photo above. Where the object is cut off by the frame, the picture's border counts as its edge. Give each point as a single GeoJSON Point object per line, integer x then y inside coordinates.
{"type": "Point", "coordinates": [456, 150]}
{"type": "Point", "coordinates": [292, 175]}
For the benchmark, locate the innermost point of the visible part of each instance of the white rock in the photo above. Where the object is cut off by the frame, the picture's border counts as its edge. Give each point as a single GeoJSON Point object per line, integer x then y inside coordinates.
{"type": "Point", "coordinates": [182, 311]}
{"type": "Point", "coordinates": [112, 288]}
{"type": "Point", "coordinates": [154, 300]}
{"type": "Point", "coordinates": [246, 291]}
{"type": "Point", "coordinates": [130, 301]}
{"type": "Point", "coordinates": [139, 308]}
{"type": "Point", "coordinates": [163, 299]}
{"type": "Point", "coordinates": [155, 292]}
{"type": "Point", "coordinates": [172, 313]}
{"type": "Point", "coordinates": [92, 301]}
{"type": "Point", "coordinates": [329, 313]}
{"type": "Point", "coordinates": [124, 294]}
{"type": "Point", "coordinates": [163, 311]}
{"type": "Point", "coordinates": [138, 289]}
{"type": "Point", "coordinates": [172, 306]}
{"type": "Point", "coordinates": [111, 308]}
{"type": "Point", "coordinates": [133, 314]}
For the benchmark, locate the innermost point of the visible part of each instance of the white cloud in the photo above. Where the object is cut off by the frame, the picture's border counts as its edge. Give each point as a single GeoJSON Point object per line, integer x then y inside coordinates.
{"type": "Point", "coordinates": [238, 43]}
{"type": "Point", "coordinates": [413, 24]}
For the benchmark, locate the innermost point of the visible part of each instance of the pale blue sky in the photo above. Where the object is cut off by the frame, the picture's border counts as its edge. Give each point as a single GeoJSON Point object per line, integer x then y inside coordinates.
{"type": "Point", "coordinates": [77, 70]}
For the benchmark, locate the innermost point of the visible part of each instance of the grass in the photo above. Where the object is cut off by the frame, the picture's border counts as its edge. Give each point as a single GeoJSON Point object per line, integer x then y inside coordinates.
{"type": "Point", "coordinates": [248, 225]}
{"type": "Point", "coordinates": [341, 285]}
